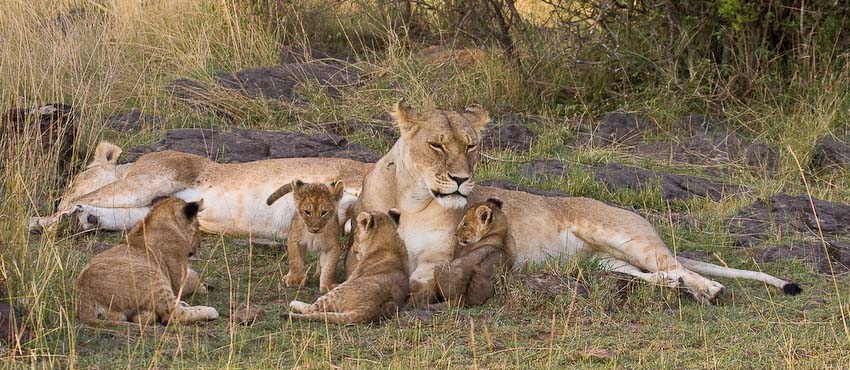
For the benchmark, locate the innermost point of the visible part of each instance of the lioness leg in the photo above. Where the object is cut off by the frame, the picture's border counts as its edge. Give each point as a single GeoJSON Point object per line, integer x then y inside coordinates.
{"type": "Point", "coordinates": [296, 253]}
{"type": "Point", "coordinates": [423, 287]}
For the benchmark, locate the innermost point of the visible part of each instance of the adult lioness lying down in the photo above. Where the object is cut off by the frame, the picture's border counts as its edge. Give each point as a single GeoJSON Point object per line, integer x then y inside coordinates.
{"type": "Point", "coordinates": [428, 175]}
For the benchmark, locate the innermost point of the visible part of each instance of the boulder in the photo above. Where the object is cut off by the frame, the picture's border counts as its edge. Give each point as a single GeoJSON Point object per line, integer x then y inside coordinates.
{"type": "Point", "coordinates": [818, 254]}
{"type": "Point", "coordinates": [131, 121]}
{"type": "Point", "coordinates": [509, 185]}
{"type": "Point", "coordinates": [673, 186]}
{"type": "Point", "coordinates": [832, 154]}
{"type": "Point", "coordinates": [786, 215]}
{"type": "Point", "coordinates": [50, 128]}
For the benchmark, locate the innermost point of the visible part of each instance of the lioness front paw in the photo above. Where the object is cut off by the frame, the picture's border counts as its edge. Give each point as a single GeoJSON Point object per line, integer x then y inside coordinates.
{"type": "Point", "coordinates": [294, 280]}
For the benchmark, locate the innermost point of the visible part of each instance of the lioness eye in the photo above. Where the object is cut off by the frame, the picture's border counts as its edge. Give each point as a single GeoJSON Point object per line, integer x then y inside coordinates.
{"type": "Point", "coordinates": [436, 146]}
{"type": "Point", "coordinates": [324, 213]}
{"type": "Point", "coordinates": [470, 148]}
{"type": "Point", "coordinates": [308, 213]}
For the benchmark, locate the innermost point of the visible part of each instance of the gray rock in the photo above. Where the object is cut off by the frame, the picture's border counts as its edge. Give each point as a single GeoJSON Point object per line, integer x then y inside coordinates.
{"type": "Point", "coordinates": [785, 215]}
{"type": "Point", "coordinates": [509, 185]}
{"type": "Point", "coordinates": [247, 145]}
{"type": "Point", "coordinates": [542, 168]}
{"type": "Point", "coordinates": [510, 136]}
{"type": "Point", "coordinates": [820, 255]}
{"type": "Point", "coordinates": [832, 154]}
{"type": "Point", "coordinates": [710, 149]}
{"type": "Point", "coordinates": [672, 186]}
{"type": "Point", "coordinates": [131, 121]}
{"type": "Point", "coordinates": [51, 127]}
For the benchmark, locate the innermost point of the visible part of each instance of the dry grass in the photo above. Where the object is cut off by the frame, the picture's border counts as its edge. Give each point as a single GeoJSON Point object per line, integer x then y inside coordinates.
{"type": "Point", "coordinates": [113, 55]}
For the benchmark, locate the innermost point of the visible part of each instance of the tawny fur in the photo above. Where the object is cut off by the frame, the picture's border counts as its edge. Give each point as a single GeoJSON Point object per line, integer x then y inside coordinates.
{"type": "Point", "coordinates": [142, 280]}
{"type": "Point", "coordinates": [376, 288]}
{"type": "Point", "coordinates": [485, 250]}
{"type": "Point", "coordinates": [315, 227]}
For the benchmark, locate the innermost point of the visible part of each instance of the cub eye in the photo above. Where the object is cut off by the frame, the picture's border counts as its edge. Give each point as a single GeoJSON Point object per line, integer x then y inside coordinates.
{"type": "Point", "coordinates": [470, 148]}
{"type": "Point", "coordinates": [308, 213]}
{"type": "Point", "coordinates": [324, 213]}
{"type": "Point", "coordinates": [436, 146]}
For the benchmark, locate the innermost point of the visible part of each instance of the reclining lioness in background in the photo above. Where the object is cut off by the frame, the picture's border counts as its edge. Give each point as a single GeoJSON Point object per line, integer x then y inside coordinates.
{"type": "Point", "coordinates": [113, 196]}
{"type": "Point", "coordinates": [141, 281]}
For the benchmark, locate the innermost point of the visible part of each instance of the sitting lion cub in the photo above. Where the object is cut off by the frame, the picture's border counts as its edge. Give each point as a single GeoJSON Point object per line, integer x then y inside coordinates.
{"type": "Point", "coordinates": [485, 246]}
{"type": "Point", "coordinates": [315, 226]}
{"type": "Point", "coordinates": [141, 280]}
{"type": "Point", "coordinates": [377, 287]}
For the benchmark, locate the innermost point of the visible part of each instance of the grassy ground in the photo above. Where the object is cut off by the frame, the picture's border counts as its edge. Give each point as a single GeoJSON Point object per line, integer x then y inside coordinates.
{"type": "Point", "coordinates": [110, 56]}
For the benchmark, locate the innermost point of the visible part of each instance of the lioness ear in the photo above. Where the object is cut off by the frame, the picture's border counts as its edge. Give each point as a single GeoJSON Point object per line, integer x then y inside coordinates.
{"type": "Point", "coordinates": [405, 115]}
{"type": "Point", "coordinates": [338, 189]}
{"type": "Point", "coordinates": [364, 220]}
{"type": "Point", "coordinates": [496, 202]}
{"type": "Point", "coordinates": [106, 153]}
{"type": "Point", "coordinates": [484, 214]}
{"type": "Point", "coordinates": [395, 216]}
{"type": "Point", "coordinates": [478, 115]}
{"type": "Point", "coordinates": [191, 209]}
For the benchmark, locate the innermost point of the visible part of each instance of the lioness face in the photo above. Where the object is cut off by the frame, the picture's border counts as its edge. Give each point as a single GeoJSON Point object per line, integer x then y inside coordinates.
{"type": "Point", "coordinates": [442, 150]}
{"type": "Point", "coordinates": [102, 171]}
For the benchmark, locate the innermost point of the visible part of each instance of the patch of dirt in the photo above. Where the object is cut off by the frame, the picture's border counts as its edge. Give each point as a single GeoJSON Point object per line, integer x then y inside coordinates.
{"type": "Point", "coordinates": [11, 324]}
{"type": "Point", "coordinates": [617, 128]}
{"type": "Point", "coordinates": [509, 185]}
{"type": "Point", "coordinates": [672, 186]}
{"type": "Point", "coordinates": [813, 252]}
{"type": "Point", "coordinates": [785, 215]}
{"type": "Point", "coordinates": [249, 145]}
{"type": "Point", "coordinates": [832, 154]}
{"type": "Point", "coordinates": [131, 121]}
{"type": "Point", "coordinates": [249, 315]}
{"type": "Point", "coordinates": [550, 284]}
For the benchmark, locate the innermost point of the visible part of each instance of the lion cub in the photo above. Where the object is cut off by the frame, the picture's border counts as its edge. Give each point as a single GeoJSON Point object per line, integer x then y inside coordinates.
{"type": "Point", "coordinates": [485, 245]}
{"type": "Point", "coordinates": [377, 287]}
{"type": "Point", "coordinates": [141, 280]}
{"type": "Point", "coordinates": [315, 226]}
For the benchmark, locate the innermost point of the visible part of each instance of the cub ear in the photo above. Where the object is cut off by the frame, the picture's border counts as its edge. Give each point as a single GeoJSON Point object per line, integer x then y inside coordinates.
{"type": "Point", "coordinates": [158, 199]}
{"type": "Point", "coordinates": [280, 192]}
{"type": "Point", "coordinates": [478, 115]}
{"type": "Point", "coordinates": [338, 189]}
{"type": "Point", "coordinates": [405, 115]}
{"type": "Point", "coordinates": [364, 220]}
{"type": "Point", "coordinates": [484, 213]}
{"type": "Point", "coordinates": [191, 209]}
{"type": "Point", "coordinates": [495, 201]}
{"type": "Point", "coordinates": [106, 153]}
{"type": "Point", "coordinates": [395, 216]}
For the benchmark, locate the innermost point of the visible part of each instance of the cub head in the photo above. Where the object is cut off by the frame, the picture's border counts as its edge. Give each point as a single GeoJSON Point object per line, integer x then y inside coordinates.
{"type": "Point", "coordinates": [478, 221]}
{"type": "Point", "coordinates": [102, 171]}
{"type": "Point", "coordinates": [316, 203]}
{"type": "Point", "coordinates": [377, 231]}
{"type": "Point", "coordinates": [171, 226]}
{"type": "Point", "coordinates": [442, 149]}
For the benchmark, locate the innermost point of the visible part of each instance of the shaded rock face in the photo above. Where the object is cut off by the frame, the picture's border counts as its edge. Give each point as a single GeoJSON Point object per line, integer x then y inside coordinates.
{"type": "Point", "coordinates": [672, 186]}
{"type": "Point", "coordinates": [710, 149]}
{"type": "Point", "coordinates": [832, 154]}
{"type": "Point", "coordinates": [12, 324]}
{"type": "Point", "coordinates": [51, 127]}
{"type": "Point", "coordinates": [542, 168]}
{"type": "Point", "coordinates": [783, 214]}
{"type": "Point", "coordinates": [509, 132]}
{"type": "Point", "coordinates": [247, 145]}
{"type": "Point", "coordinates": [820, 255]}
{"type": "Point", "coordinates": [509, 185]}
{"type": "Point", "coordinates": [551, 284]}
{"type": "Point", "coordinates": [132, 121]}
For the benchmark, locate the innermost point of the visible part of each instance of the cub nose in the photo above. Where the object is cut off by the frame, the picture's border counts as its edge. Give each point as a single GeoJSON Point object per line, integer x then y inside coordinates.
{"type": "Point", "coordinates": [459, 180]}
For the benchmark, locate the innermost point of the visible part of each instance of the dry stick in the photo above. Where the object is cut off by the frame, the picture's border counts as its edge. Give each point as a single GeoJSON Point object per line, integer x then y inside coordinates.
{"type": "Point", "coordinates": [823, 243]}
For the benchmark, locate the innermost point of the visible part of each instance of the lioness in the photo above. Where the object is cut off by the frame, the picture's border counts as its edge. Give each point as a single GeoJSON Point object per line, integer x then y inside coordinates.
{"type": "Point", "coordinates": [316, 227]}
{"type": "Point", "coordinates": [141, 281]}
{"type": "Point", "coordinates": [428, 176]}
{"type": "Point", "coordinates": [378, 286]}
{"type": "Point", "coordinates": [486, 247]}
{"type": "Point", "coordinates": [113, 196]}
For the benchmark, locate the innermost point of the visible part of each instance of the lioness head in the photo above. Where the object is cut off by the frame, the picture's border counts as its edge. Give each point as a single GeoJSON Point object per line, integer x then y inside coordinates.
{"type": "Point", "coordinates": [100, 172]}
{"type": "Point", "coordinates": [478, 221]}
{"type": "Point", "coordinates": [442, 149]}
{"type": "Point", "coordinates": [316, 204]}
{"type": "Point", "coordinates": [171, 226]}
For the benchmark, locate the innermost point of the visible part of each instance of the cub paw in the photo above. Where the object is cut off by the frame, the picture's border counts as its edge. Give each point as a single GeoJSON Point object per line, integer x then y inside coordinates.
{"type": "Point", "coordinates": [298, 306]}
{"type": "Point", "coordinates": [208, 313]}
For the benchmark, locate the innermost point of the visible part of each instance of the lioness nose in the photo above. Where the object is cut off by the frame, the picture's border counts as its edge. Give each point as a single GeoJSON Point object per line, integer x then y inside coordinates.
{"type": "Point", "coordinates": [458, 180]}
